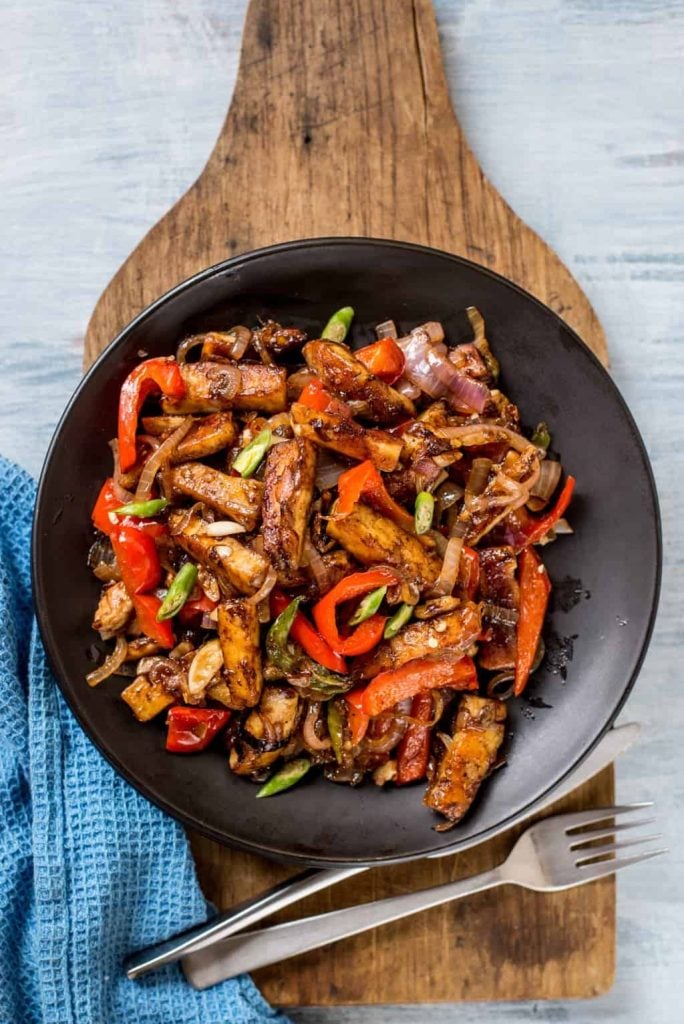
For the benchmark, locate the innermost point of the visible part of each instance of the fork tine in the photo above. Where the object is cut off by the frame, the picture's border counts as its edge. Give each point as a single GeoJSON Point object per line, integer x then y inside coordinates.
{"type": "Point", "coordinates": [580, 839]}
{"type": "Point", "coordinates": [590, 852]}
{"type": "Point", "coordinates": [609, 867]}
{"type": "Point", "coordinates": [597, 814]}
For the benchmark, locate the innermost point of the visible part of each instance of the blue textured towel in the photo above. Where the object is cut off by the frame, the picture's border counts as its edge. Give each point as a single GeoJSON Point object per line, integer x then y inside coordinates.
{"type": "Point", "coordinates": [89, 871]}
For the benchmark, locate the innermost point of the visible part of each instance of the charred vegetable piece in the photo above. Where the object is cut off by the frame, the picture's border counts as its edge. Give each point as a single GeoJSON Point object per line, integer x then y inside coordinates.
{"type": "Point", "coordinates": [146, 699]}
{"type": "Point", "coordinates": [346, 436]}
{"type": "Point", "coordinates": [499, 589]}
{"type": "Point", "coordinates": [178, 592]}
{"type": "Point", "coordinates": [248, 460]}
{"type": "Point", "coordinates": [372, 539]}
{"type": "Point", "coordinates": [142, 509]}
{"type": "Point", "coordinates": [397, 621]}
{"type": "Point", "coordinates": [345, 375]}
{"type": "Point", "coordinates": [153, 375]}
{"type": "Point", "coordinates": [287, 777]}
{"type": "Point", "coordinates": [114, 609]}
{"type": "Point", "coordinates": [424, 511]}
{"type": "Point", "coordinates": [228, 495]}
{"type": "Point", "coordinates": [388, 688]}
{"type": "Point", "coordinates": [238, 630]}
{"type": "Point", "coordinates": [469, 758]}
{"type": "Point", "coordinates": [192, 729]}
{"type": "Point", "coordinates": [288, 493]}
{"type": "Point", "coordinates": [534, 597]}
{"type": "Point", "coordinates": [455, 632]}
{"type": "Point", "coordinates": [338, 325]}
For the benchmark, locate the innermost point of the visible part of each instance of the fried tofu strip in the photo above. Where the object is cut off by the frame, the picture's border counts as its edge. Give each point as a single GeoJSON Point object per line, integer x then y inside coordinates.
{"type": "Point", "coordinates": [113, 610]}
{"type": "Point", "coordinates": [231, 496]}
{"type": "Point", "coordinates": [344, 435]}
{"type": "Point", "coordinates": [470, 757]}
{"type": "Point", "coordinates": [146, 699]}
{"type": "Point", "coordinates": [215, 387]}
{"type": "Point", "coordinates": [288, 492]}
{"type": "Point", "coordinates": [372, 538]}
{"type": "Point", "coordinates": [499, 587]}
{"type": "Point", "coordinates": [234, 563]}
{"type": "Point", "coordinates": [241, 677]}
{"type": "Point", "coordinates": [457, 631]}
{"type": "Point", "coordinates": [347, 377]}
{"type": "Point", "coordinates": [267, 729]}
{"type": "Point", "coordinates": [207, 435]}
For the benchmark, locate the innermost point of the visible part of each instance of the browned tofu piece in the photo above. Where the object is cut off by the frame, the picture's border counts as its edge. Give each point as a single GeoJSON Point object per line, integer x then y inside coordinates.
{"type": "Point", "coordinates": [288, 492]}
{"type": "Point", "coordinates": [146, 699]}
{"type": "Point", "coordinates": [215, 387]}
{"type": "Point", "coordinates": [479, 519]}
{"type": "Point", "coordinates": [457, 631]}
{"type": "Point", "coordinates": [142, 647]}
{"type": "Point", "coordinates": [113, 610]}
{"type": "Point", "coordinates": [236, 564]}
{"type": "Point", "coordinates": [499, 590]}
{"type": "Point", "coordinates": [472, 753]}
{"type": "Point", "coordinates": [266, 730]}
{"type": "Point", "coordinates": [347, 377]}
{"type": "Point", "coordinates": [238, 633]}
{"type": "Point", "coordinates": [230, 496]}
{"type": "Point", "coordinates": [207, 435]}
{"type": "Point", "coordinates": [372, 538]}
{"type": "Point", "coordinates": [346, 436]}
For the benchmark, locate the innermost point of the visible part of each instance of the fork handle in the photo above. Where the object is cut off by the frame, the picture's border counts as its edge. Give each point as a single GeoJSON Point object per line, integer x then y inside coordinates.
{"type": "Point", "coordinates": [250, 950]}
{"type": "Point", "coordinates": [241, 916]}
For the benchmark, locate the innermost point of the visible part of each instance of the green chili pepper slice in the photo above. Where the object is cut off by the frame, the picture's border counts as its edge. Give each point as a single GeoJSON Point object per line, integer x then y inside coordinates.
{"type": "Point", "coordinates": [541, 436]}
{"type": "Point", "coordinates": [178, 592]}
{"type": "Point", "coordinates": [368, 606]}
{"type": "Point", "coordinates": [336, 729]}
{"type": "Point", "coordinates": [277, 647]}
{"type": "Point", "coordinates": [338, 325]}
{"type": "Point", "coordinates": [142, 509]}
{"type": "Point", "coordinates": [398, 620]}
{"type": "Point", "coordinates": [286, 777]}
{"type": "Point", "coordinates": [424, 511]}
{"type": "Point", "coordinates": [289, 658]}
{"type": "Point", "coordinates": [248, 460]}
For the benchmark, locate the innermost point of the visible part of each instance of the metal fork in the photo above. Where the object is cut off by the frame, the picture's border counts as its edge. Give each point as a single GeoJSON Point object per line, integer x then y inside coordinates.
{"type": "Point", "coordinates": [554, 854]}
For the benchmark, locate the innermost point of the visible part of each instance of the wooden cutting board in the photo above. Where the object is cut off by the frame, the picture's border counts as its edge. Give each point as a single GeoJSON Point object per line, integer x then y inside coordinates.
{"type": "Point", "coordinates": [341, 124]}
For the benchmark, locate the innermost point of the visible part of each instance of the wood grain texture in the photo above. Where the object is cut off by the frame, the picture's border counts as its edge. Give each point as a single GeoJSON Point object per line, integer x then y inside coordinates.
{"type": "Point", "coordinates": [341, 123]}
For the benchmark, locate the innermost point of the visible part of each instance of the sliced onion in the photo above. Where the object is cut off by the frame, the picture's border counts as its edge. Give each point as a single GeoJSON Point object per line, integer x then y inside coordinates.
{"type": "Point", "coordinates": [111, 664]}
{"type": "Point", "coordinates": [222, 528]}
{"type": "Point", "coordinates": [241, 339]}
{"type": "Point", "coordinates": [387, 329]}
{"type": "Point", "coordinates": [265, 588]}
{"type": "Point", "coordinates": [204, 668]}
{"type": "Point", "coordinates": [187, 345]}
{"type": "Point", "coordinates": [328, 471]}
{"type": "Point", "coordinates": [405, 387]}
{"type": "Point", "coordinates": [157, 459]}
{"type": "Point", "coordinates": [309, 731]}
{"type": "Point", "coordinates": [209, 619]}
{"type": "Point", "coordinates": [558, 529]}
{"type": "Point", "coordinates": [321, 573]}
{"type": "Point", "coordinates": [549, 475]}
{"type": "Point", "coordinates": [475, 434]}
{"type": "Point", "coordinates": [388, 741]}
{"type": "Point", "coordinates": [385, 773]}
{"type": "Point", "coordinates": [448, 494]}
{"type": "Point", "coordinates": [502, 685]}
{"type": "Point", "coordinates": [446, 581]}
{"type": "Point", "coordinates": [297, 381]}
{"type": "Point", "coordinates": [428, 366]}
{"type": "Point", "coordinates": [477, 479]}
{"type": "Point", "coordinates": [122, 495]}
{"type": "Point", "coordinates": [427, 474]}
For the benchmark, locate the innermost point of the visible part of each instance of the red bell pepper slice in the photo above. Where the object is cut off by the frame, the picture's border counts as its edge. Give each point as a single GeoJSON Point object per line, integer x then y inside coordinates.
{"type": "Point", "coordinates": [388, 688]}
{"type": "Point", "coordinates": [357, 719]}
{"type": "Point", "coordinates": [303, 633]}
{"type": "Point", "coordinates": [384, 359]}
{"type": "Point", "coordinates": [107, 501]}
{"type": "Point", "coordinates": [368, 633]}
{"type": "Point", "coordinates": [364, 481]}
{"type": "Point", "coordinates": [535, 588]}
{"type": "Point", "coordinates": [153, 375]}
{"type": "Point", "coordinates": [413, 752]}
{"type": "Point", "coordinates": [538, 528]}
{"type": "Point", "coordinates": [193, 729]}
{"type": "Point", "coordinates": [137, 558]}
{"type": "Point", "coordinates": [193, 610]}
{"type": "Point", "coordinates": [146, 608]}
{"type": "Point", "coordinates": [314, 396]}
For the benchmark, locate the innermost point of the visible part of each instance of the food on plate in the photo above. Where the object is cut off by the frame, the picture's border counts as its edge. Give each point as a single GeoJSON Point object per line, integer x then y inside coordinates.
{"type": "Point", "coordinates": [317, 556]}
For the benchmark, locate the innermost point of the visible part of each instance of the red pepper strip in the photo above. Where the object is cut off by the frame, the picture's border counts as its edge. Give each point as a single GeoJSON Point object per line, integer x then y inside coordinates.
{"type": "Point", "coordinates": [535, 588]}
{"type": "Point", "coordinates": [357, 719]}
{"type": "Point", "coordinates": [469, 572]}
{"type": "Point", "coordinates": [193, 610]}
{"type": "Point", "coordinates": [314, 396]}
{"type": "Point", "coordinates": [364, 481]}
{"type": "Point", "coordinates": [538, 528]}
{"type": "Point", "coordinates": [413, 752]}
{"type": "Point", "coordinates": [193, 729]}
{"type": "Point", "coordinates": [420, 674]}
{"type": "Point", "coordinates": [369, 633]}
{"type": "Point", "coordinates": [146, 608]}
{"type": "Point", "coordinates": [137, 558]}
{"type": "Point", "coordinates": [311, 642]}
{"type": "Point", "coordinates": [384, 359]}
{"type": "Point", "coordinates": [151, 527]}
{"type": "Point", "coordinates": [107, 501]}
{"type": "Point", "coordinates": [153, 375]}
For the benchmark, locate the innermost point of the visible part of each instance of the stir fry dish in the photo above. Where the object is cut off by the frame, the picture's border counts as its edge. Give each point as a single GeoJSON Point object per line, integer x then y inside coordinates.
{"type": "Point", "coordinates": [325, 558]}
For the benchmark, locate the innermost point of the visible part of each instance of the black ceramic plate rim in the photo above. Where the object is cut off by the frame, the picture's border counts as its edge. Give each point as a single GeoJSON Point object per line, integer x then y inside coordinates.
{"type": "Point", "coordinates": [51, 642]}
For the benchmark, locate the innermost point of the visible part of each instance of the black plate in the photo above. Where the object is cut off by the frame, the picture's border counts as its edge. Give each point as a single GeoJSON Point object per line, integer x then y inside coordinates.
{"type": "Point", "coordinates": [614, 553]}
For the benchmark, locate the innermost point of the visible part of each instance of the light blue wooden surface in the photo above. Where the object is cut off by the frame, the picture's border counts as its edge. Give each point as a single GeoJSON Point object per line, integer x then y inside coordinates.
{"type": "Point", "coordinates": [107, 113]}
